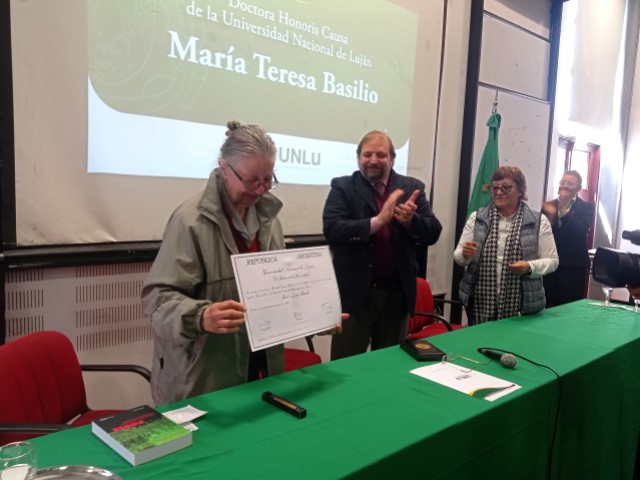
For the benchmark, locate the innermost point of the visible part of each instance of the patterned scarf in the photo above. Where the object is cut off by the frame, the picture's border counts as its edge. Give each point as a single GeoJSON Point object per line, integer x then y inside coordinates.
{"type": "Point", "coordinates": [486, 304]}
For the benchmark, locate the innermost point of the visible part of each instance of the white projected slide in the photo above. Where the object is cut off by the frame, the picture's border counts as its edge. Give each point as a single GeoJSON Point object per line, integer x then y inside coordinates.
{"type": "Point", "coordinates": [120, 106]}
{"type": "Point", "coordinates": [162, 73]}
{"type": "Point", "coordinates": [300, 160]}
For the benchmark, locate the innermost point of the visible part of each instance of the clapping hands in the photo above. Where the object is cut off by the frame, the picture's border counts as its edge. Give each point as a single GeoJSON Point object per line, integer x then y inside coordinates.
{"type": "Point", "coordinates": [402, 212]}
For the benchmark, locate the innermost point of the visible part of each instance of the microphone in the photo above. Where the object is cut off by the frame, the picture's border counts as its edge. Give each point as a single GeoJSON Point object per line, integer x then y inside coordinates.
{"type": "Point", "coordinates": [632, 235]}
{"type": "Point", "coordinates": [507, 360]}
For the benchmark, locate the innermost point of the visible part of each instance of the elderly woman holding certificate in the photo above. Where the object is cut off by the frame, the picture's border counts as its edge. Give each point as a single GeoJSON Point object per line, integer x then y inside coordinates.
{"type": "Point", "coordinates": [506, 248]}
{"type": "Point", "coordinates": [190, 294]}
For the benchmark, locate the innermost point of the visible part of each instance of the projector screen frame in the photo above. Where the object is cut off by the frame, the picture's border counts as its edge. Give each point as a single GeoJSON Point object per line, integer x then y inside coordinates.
{"type": "Point", "coordinates": [7, 146]}
{"type": "Point", "coordinates": [99, 222]}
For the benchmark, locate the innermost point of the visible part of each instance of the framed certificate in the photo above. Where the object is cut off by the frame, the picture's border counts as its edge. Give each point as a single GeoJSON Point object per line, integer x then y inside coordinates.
{"type": "Point", "coordinates": [289, 294]}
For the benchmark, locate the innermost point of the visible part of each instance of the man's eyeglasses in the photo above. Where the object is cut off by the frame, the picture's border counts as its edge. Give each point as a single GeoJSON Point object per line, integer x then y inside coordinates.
{"type": "Point", "coordinates": [568, 183]}
{"type": "Point", "coordinates": [378, 155]}
{"type": "Point", "coordinates": [506, 188]}
{"type": "Point", "coordinates": [268, 183]}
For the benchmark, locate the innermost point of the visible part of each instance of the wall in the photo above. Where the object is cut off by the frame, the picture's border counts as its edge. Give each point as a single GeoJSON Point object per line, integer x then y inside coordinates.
{"type": "Point", "coordinates": [99, 309]}
{"type": "Point", "coordinates": [514, 70]}
{"type": "Point", "coordinates": [448, 147]}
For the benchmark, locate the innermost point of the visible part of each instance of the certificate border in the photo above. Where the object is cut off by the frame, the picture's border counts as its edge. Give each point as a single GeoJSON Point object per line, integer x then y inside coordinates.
{"type": "Point", "coordinates": [257, 345]}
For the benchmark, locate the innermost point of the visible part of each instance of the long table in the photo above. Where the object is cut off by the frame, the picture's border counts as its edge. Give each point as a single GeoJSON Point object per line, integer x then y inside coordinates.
{"type": "Point", "coordinates": [369, 418]}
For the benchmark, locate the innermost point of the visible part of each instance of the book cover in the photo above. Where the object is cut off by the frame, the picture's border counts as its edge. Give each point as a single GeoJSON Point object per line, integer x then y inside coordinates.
{"type": "Point", "coordinates": [141, 434]}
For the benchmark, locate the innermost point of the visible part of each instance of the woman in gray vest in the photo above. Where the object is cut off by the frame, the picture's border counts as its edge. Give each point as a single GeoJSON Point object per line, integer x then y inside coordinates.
{"type": "Point", "coordinates": [506, 248]}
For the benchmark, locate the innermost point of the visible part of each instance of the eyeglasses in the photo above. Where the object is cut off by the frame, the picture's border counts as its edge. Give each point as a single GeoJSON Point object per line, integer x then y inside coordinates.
{"type": "Point", "coordinates": [469, 364]}
{"type": "Point", "coordinates": [267, 183]}
{"type": "Point", "coordinates": [506, 188]}
{"type": "Point", "coordinates": [568, 183]}
{"type": "Point", "coordinates": [378, 155]}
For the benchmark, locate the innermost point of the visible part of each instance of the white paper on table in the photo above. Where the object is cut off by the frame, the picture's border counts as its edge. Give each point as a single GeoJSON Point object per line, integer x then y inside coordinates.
{"type": "Point", "coordinates": [473, 383]}
{"type": "Point", "coordinates": [289, 294]}
{"type": "Point", "coordinates": [184, 416]}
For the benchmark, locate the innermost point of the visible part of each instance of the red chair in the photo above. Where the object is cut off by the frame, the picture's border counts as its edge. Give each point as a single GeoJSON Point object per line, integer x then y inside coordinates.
{"type": "Point", "coordinates": [42, 386]}
{"type": "Point", "coordinates": [425, 322]}
{"type": "Point", "coordinates": [295, 358]}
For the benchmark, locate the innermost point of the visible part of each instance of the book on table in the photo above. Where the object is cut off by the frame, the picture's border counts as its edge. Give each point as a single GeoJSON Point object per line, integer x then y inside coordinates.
{"type": "Point", "coordinates": [141, 434]}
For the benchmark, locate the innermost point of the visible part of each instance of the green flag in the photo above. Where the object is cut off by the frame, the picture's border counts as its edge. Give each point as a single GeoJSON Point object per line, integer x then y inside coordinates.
{"type": "Point", "coordinates": [481, 195]}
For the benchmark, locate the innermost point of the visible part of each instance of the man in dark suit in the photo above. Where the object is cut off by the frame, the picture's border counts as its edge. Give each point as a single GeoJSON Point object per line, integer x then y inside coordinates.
{"type": "Point", "coordinates": [374, 221]}
{"type": "Point", "coordinates": [570, 219]}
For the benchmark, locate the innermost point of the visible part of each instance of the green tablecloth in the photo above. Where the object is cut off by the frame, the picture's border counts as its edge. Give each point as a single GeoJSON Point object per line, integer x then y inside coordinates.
{"type": "Point", "coordinates": [368, 417]}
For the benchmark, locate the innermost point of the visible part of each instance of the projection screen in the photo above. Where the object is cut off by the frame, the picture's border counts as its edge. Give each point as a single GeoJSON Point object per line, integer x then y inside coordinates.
{"type": "Point", "coordinates": [120, 106]}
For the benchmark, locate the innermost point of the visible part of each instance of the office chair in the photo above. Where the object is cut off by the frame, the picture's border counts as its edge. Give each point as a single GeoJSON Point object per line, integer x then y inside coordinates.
{"type": "Point", "coordinates": [42, 386]}
{"type": "Point", "coordinates": [425, 322]}
{"type": "Point", "coordinates": [295, 358]}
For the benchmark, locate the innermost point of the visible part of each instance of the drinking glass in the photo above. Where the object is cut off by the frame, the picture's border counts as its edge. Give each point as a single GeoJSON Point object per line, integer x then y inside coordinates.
{"type": "Point", "coordinates": [607, 295]}
{"type": "Point", "coordinates": [636, 300]}
{"type": "Point", "coordinates": [18, 461]}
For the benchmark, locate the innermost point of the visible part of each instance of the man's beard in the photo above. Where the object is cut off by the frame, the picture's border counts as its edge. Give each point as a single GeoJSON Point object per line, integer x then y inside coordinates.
{"type": "Point", "coordinates": [373, 174]}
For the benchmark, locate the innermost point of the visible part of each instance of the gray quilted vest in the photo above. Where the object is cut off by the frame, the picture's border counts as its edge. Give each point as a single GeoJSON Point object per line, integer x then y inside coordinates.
{"type": "Point", "coordinates": [533, 299]}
